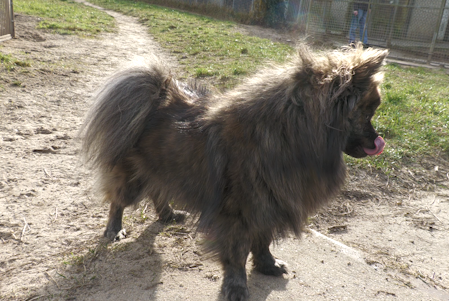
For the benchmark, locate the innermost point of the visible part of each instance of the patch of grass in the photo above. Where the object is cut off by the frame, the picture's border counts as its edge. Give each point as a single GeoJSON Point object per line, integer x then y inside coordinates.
{"type": "Point", "coordinates": [10, 63]}
{"type": "Point", "coordinates": [202, 72]}
{"type": "Point", "coordinates": [413, 118]}
{"type": "Point", "coordinates": [205, 47]}
{"type": "Point", "coordinates": [75, 259]}
{"type": "Point", "coordinates": [67, 16]}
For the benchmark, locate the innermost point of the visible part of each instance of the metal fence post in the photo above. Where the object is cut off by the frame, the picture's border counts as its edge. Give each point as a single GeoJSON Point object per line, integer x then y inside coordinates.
{"type": "Point", "coordinates": [367, 21]}
{"type": "Point", "coordinates": [326, 15]}
{"type": "Point", "coordinates": [437, 28]}
{"type": "Point", "coordinates": [396, 2]}
{"type": "Point", "coordinates": [308, 16]}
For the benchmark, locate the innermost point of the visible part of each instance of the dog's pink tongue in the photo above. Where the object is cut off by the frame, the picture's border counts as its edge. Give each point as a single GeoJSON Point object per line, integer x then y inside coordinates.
{"type": "Point", "coordinates": [380, 144]}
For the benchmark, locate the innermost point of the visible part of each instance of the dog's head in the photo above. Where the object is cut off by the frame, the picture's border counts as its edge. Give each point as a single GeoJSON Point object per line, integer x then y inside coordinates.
{"type": "Point", "coordinates": [349, 82]}
{"type": "Point", "coordinates": [363, 139]}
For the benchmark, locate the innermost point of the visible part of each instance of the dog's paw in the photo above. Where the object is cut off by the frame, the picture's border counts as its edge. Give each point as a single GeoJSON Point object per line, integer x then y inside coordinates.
{"type": "Point", "coordinates": [175, 216]}
{"type": "Point", "coordinates": [277, 269]}
{"type": "Point", "coordinates": [120, 235]}
{"type": "Point", "coordinates": [115, 236]}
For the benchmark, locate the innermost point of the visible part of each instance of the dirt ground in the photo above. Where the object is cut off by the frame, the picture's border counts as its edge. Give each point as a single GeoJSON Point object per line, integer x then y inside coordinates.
{"type": "Point", "coordinates": [384, 238]}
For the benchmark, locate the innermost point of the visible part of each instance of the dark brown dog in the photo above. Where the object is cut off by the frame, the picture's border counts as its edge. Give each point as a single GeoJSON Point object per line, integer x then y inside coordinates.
{"type": "Point", "coordinates": [254, 162]}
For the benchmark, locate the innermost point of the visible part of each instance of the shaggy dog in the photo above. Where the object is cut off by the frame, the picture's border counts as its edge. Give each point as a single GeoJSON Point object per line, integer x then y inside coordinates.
{"type": "Point", "coordinates": [253, 162]}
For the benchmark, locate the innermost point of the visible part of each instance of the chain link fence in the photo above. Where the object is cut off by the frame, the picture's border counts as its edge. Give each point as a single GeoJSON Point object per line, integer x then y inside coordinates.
{"type": "Point", "coordinates": [418, 28]}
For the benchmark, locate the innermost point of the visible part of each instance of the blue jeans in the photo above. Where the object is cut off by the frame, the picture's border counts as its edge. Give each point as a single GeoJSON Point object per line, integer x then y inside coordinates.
{"type": "Point", "coordinates": [358, 21]}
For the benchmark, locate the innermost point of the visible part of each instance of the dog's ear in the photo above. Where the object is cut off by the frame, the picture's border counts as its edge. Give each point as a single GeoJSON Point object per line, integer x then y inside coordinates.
{"type": "Point", "coordinates": [358, 72]}
{"type": "Point", "coordinates": [367, 64]}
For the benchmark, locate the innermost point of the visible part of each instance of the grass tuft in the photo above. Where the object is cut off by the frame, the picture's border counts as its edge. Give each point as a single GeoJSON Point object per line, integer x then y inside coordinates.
{"type": "Point", "coordinates": [10, 63]}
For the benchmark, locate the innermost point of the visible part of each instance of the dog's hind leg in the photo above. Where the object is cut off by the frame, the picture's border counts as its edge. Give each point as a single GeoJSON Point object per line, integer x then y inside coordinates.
{"type": "Point", "coordinates": [263, 260]}
{"type": "Point", "coordinates": [165, 211]}
{"type": "Point", "coordinates": [121, 193]}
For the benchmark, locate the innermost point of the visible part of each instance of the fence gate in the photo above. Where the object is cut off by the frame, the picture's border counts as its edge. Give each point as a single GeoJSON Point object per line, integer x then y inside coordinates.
{"type": "Point", "coordinates": [6, 20]}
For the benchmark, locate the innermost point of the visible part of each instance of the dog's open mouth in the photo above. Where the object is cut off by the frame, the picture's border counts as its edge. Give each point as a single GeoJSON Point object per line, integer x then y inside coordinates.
{"type": "Point", "coordinates": [379, 143]}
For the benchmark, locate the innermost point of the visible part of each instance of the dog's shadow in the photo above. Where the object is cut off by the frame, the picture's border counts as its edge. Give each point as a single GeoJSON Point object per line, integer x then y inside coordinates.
{"type": "Point", "coordinates": [99, 272]}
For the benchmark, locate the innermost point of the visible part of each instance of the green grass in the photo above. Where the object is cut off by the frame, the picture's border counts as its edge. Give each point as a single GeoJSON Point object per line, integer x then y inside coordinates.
{"type": "Point", "coordinates": [205, 47]}
{"type": "Point", "coordinates": [66, 16]}
{"type": "Point", "coordinates": [10, 63]}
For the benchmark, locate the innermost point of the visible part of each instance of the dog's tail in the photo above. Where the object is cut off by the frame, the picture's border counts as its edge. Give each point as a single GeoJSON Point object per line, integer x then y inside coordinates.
{"type": "Point", "coordinates": [118, 117]}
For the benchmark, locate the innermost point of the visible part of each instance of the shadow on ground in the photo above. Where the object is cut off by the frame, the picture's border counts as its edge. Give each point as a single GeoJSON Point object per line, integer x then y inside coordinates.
{"type": "Point", "coordinates": [98, 273]}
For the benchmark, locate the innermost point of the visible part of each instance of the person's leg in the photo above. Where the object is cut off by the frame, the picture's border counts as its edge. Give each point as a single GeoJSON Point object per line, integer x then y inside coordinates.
{"type": "Point", "coordinates": [352, 29]}
{"type": "Point", "coordinates": [363, 28]}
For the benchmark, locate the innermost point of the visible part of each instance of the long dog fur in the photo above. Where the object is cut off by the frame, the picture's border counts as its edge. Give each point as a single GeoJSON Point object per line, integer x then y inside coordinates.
{"type": "Point", "coordinates": [254, 162]}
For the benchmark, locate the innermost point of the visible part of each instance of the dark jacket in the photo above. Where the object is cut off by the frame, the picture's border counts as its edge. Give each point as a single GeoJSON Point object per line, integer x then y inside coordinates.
{"type": "Point", "coordinates": [361, 4]}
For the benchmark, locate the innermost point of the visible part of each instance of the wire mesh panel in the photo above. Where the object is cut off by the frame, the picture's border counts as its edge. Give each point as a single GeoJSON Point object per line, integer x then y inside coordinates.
{"type": "Point", "coordinates": [191, 2]}
{"type": "Point", "coordinates": [416, 27]}
{"type": "Point", "coordinates": [242, 6]}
